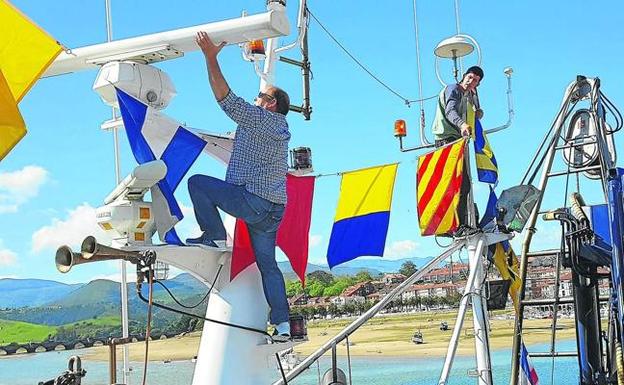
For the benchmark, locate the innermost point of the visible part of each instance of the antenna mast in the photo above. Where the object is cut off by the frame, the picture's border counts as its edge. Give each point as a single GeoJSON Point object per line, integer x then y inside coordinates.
{"type": "Point", "coordinates": [122, 263]}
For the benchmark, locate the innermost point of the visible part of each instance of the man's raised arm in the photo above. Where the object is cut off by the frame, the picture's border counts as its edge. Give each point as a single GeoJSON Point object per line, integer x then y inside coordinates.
{"type": "Point", "coordinates": [218, 84]}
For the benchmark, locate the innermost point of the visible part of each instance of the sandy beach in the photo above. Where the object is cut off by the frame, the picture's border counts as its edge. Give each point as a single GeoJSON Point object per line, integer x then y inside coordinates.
{"type": "Point", "coordinates": [385, 335]}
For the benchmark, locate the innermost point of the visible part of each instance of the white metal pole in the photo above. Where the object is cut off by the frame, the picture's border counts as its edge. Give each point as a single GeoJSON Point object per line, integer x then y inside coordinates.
{"type": "Point", "coordinates": [457, 22]}
{"type": "Point", "coordinates": [461, 314]}
{"type": "Point", "coordinates": [482, 348]}
{"type": "Point", "coordinates": [457, 16]}
{"type": "Point", "coordinates": [122, 263]}
{"type": "Point", "coordinates": [269, 62]}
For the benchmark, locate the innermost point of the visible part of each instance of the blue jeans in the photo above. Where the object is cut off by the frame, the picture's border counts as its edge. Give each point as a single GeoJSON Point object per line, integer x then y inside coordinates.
{"type": "Point", "coordinates": [262, 218]}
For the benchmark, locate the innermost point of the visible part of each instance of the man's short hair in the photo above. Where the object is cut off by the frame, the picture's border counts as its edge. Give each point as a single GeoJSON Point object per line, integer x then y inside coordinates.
{"type": "Point", "coordinates": [476, 70]}
{"type": "Point", "coordinates": [282, 99]}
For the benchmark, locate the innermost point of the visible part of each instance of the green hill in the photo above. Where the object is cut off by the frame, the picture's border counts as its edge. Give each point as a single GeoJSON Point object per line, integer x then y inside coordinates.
{"type": "Point", "coordinates": [16, 293]}
{"type": "Point", "coordinates": [96, 327]}
{"type": "Point", "coordinates": [97, 321]}
{"type": "Point", "coordinates": [23, 332]}
{"type": "Point", "coordinates": [98, 291]}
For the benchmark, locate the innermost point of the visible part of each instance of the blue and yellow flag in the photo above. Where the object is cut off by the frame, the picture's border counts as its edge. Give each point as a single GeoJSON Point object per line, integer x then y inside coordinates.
{"type": "Point", "coordinates": [487, 168]}
{"type": "Point", "coordinates": [502, 254]}
{"type": "Point", "coordinates": [362, 215]}
{"type": "Point", "coordinates": [25, 52]}
{"type": "Point", "coordinates": [506, 263]}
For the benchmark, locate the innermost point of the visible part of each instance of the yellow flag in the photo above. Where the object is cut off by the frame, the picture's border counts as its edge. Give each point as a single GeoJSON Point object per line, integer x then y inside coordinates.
{"type": "Point", "coordinates": [25, 50]}
{"type": "Point", "coordinates": [366, 191]}
{"type": "Point", "coordinates": [506, 262]}
{"type": "Point", "coordinates": [438, 184]}
{"type": "Point", "coordinates": [363, 214]}
{"type": "Point", "coordinates": [12, 127]}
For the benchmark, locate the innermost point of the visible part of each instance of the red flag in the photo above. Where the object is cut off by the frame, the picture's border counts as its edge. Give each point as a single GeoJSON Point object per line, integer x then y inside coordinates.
{"type": "Point", "coordinates": [242, 253]}
{"type": "Point", "coordinates": [292, 235]}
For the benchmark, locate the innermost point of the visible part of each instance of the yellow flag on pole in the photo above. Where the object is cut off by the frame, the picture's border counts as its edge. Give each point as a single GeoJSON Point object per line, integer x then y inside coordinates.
{"type": "Point", "coordinates": [25, 50]}
{"type": "Point", "coordinates": [506, 262]}
{"type": "Point", "coordinates": [12, 127]}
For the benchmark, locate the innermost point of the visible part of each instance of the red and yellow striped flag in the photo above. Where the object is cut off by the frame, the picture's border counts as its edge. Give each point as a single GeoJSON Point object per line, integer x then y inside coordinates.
{"type": "Point", "coordinates": [438, 184]}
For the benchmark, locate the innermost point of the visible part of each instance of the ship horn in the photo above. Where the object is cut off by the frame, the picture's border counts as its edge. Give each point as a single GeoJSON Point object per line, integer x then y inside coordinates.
{"type": "Point", "coordinates": [91, 252]}
{"type": "Point", "coordinates": [66, 259]}
{"type": "Point", "coordinates": [91, 249]}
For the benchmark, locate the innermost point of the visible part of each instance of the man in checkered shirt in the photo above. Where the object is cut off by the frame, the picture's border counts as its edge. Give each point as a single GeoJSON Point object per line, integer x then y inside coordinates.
{"type": "Point", "coordinates": [254, 189]}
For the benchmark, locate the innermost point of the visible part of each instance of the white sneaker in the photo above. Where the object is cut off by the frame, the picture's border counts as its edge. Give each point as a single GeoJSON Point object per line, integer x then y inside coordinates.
{"type": "Point", "coordinates": [280, 338]}
{"type": "Point", "coordinates": [222, 244]}
{"type": "Point", "coordinates": [282, 332]}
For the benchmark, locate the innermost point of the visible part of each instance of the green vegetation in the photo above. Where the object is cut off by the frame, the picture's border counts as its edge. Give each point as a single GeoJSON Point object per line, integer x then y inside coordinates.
{"type": "Point", "coordinates": [408, 268]}
{"type": "Point", "coordinates": [323, 284]}
{"type": "Point", "coordinates": [23, 332]}
{"type": "Point", "coordinates": [96, 327]}
{"type": "Point", "coordinates": [97, 321]}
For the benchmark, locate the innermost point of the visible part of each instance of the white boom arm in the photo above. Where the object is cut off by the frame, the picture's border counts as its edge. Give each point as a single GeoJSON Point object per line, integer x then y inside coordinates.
{"type": "Point", "coordinates": [170, 44]}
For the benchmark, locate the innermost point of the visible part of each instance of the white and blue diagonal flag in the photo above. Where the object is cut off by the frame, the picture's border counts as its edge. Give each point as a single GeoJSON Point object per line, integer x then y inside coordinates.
{"type": "Point", "coordinates": [153, 136]}
{"type": "Point", "coordinates": [528, 375]}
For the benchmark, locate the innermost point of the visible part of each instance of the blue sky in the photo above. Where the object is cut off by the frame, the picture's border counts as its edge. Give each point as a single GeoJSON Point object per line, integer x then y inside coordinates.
{"type": "Point", "coordinates": [63, 169]}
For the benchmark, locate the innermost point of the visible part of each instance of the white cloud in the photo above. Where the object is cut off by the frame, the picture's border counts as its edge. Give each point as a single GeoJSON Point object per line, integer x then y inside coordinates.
{"type": "Point", "coordinates": [315, 240]}
{"type": "Point", "coordinates": [80, 223]}
{"type": "Point", "coordinates": [17, 187]}
{"type": "Point", "coordinates": [7, 257]}
{"type": "Point", "coordinates": [403, 248]}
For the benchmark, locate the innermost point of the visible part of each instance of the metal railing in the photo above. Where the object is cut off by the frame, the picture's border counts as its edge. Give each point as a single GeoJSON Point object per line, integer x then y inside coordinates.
{"type": "Point", "coordinates": [344, 333]}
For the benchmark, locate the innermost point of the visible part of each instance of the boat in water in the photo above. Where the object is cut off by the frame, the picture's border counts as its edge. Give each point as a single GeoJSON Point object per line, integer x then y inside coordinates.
{"type": "Point", "coordinates": [417, 338]}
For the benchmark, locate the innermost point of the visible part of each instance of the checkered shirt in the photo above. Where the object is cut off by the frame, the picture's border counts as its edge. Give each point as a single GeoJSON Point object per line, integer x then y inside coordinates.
{"type": "Point", "coordinates": [259, 160]}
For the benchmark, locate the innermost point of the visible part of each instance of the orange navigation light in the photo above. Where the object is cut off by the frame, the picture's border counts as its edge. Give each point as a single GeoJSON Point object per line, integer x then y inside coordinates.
{"type": "Point", "coordinates": [400, 128]}
{"type": "Point", "coordinates": [256, 48]}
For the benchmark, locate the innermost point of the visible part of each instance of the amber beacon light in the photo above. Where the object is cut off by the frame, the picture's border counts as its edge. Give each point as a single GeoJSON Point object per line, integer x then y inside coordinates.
{"type": "Point", "coordinates": [400, 128]}
{"type": "Point", "coordinates": [256, 48]}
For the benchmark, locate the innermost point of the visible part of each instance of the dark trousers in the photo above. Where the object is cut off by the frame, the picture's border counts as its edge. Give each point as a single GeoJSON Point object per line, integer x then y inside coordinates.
{"type": "Point", "coordinates": [262, 218]}
{"type": "Point", "coordinates": [464, 191]}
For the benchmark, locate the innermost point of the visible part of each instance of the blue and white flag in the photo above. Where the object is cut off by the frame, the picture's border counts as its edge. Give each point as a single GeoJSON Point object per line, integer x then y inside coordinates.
{"type": "Point", "coordinates": [528, 374]}
{"type": "Point", "coordinates": [153, 136]}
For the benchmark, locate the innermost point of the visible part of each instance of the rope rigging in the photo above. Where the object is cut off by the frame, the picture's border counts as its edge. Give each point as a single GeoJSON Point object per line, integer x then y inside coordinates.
{"type": "Point", "coordinates": [405, 100]}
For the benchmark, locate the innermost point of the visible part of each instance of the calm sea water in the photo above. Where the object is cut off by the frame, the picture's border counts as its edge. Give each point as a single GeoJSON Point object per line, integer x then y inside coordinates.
{"type": "Point", "coordinates": [30, 369]}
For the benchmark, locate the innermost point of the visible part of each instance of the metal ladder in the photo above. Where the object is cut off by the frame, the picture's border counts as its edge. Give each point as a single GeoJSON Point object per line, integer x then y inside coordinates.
{"type": "Point", "coordinates": [554, 142]}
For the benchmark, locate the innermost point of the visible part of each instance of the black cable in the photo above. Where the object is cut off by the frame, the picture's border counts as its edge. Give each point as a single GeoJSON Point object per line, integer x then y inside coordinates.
{"type": "Point", "coordinates": [435, 238]}
{"type": "Point", "coordinates": [148, 327]}
{"type": "Point", "coordinates": [619, 121]}
{"type": "Point", "coordinates": [279, 363]}
{"type": "Point", "coordinates": [165, 307]}
{"type": "Point", "coordinates": [405, 100]}
{"type": "Point", "coordinates": [424, 99]}
{"type": "Point", "coordinates": [198, 303]}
